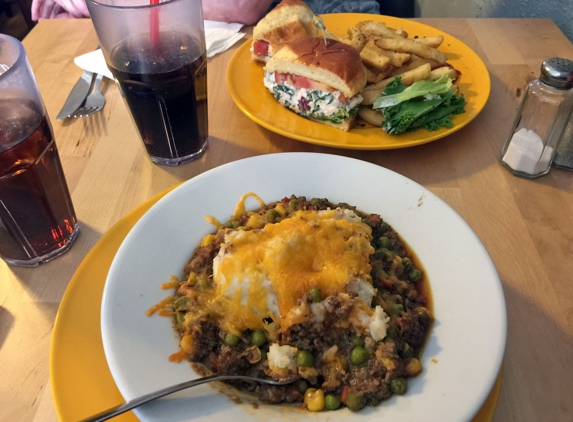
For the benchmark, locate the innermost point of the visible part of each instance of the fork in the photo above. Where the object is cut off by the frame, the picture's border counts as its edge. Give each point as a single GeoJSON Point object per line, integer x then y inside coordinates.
{"type": "Point", "coordinates": [118, 410]}
{"type": "Point", "coordinates": [94, 102]}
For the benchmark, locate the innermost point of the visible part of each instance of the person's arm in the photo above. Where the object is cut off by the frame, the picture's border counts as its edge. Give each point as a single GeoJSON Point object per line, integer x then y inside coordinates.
{"type": "Point", "coordinates": [247, 12]}
{"type": "Point", "coordinates": [54, 9]}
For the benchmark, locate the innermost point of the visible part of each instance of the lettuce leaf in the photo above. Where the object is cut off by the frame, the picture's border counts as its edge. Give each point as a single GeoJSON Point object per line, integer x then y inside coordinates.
{"type": "Point", "coordinates": [401, 117]}
{"type": "Point", "coordinates": [340, 115]}
{"type": "Point", "coordinates": [394, 96]}
{"type": "Point", "coordinates": [425, 104]}
{"type": "Point", "coordinates": [441, 116]}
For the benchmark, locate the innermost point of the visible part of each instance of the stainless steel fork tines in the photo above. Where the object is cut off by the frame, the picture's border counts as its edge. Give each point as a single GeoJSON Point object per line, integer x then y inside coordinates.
{"type": "Point", "coordinates": [94, 101]}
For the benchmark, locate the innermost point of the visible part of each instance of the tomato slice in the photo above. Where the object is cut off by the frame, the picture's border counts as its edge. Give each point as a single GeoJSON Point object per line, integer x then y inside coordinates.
{"type": "Point", "coordinates": [301, 81]}
{"type": "Point", "coordinates": [261, 48]}
{"type": "Point", "coordinates": [281, 78]}
{"type": "Point", "coordinates": [304, 82]}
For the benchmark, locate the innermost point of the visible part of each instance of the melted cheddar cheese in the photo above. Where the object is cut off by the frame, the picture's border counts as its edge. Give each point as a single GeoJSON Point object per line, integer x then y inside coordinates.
{"type": "Point", "coordinates": [263, 273]}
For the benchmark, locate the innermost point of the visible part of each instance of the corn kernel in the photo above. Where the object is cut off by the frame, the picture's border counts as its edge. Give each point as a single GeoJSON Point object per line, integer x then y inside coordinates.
{"type": "Point", "coordinates": [280, 209]}
{"type": "Point", "coordinates": [413, 367]}
{"type": "Point", "coordinates": [314, 399]}
{"type": "Point", "coordinates": [254, 221]}
{"type": "Point", "coordinates": [186, 344]}
{"type": "Point", "coordinates": [207, 240]}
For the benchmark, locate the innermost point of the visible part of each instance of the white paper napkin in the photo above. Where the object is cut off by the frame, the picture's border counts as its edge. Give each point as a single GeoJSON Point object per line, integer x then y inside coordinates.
{"type": "Point", "coordinates": [219, 37]}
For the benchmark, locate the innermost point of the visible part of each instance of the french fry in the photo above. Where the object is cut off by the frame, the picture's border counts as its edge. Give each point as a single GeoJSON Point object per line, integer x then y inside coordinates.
{"type": "Point", "coordinates": [433, 41]}
{"type": "Point", "coordinates": [377, 28]}
{"type": "Point", "coordinates": [401, 32]}
{"type": "Point", "coordinates": [374, 117]}
{"type": "Point", "coordinates": [396, 59]}
{"type": "Point", "coordinates": [353, 32]}
{"type": "Point", "coordinates": [385, 73]}
{"type": "Point", "coordinates": [357, 40]}
{"type": "Point", "coordinates": [409, 46]}
{"type": "Point", "coordinates": [371, 77]}
{"type": "Point", "coordinates": [372, 92]}
{"type": "Point", "coordinates": [373, 57]}
{"type": "Point", "coordinates": [414, 62]}
{"type": "Point", "coordinates": [444, 70]}
{"type": "Point", "coordinates": [370, 95]}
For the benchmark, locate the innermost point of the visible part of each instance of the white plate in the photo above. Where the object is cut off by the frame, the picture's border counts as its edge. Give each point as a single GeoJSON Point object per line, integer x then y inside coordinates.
{"type": "Point", "coordinates": [467, 341]}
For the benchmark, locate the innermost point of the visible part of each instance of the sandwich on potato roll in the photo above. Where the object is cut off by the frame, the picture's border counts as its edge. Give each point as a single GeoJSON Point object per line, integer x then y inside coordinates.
{"type": "Point", "coordinates": [320, 80]}
{"type": "Point", "coordinates": [289, 21]}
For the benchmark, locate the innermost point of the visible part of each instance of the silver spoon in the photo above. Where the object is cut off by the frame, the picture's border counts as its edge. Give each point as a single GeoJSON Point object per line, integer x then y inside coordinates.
{"type": "Point", "coordinates": [117, 410]}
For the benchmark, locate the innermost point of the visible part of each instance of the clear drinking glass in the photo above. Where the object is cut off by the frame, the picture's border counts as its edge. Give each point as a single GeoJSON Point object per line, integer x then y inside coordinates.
{"type": "Point", "coordinates": [37, 218]}
{"type": "Point", "coordinates": [156, 51]}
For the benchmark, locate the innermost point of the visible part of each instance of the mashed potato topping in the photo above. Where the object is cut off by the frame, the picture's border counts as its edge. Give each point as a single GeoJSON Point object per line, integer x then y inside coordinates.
{"type": "Point", "coordinates": [263, 273]}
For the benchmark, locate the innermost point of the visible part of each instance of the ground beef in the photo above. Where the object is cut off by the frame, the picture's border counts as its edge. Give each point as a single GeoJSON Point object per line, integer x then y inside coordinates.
{"type": "Point", "coordinates": [413, 330]}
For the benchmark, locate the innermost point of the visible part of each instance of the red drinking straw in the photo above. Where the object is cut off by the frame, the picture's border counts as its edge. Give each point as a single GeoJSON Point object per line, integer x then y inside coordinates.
{"type": "Point", "coordinates": [154, 22]}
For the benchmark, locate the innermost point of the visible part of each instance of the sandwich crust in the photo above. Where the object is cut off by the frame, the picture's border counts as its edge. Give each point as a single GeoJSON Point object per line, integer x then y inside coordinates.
{"type": "Point", "coordinates": [334, 63]}
{"type": "Point", "coordinates": [289, 21]}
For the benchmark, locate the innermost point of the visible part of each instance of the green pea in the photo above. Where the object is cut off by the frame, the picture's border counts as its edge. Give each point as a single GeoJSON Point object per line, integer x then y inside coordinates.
{"type": "Point", "coordinates": [357, 341]}
{"type": "Point", "coordinates": [293, 204]}
{"type": "Point", "coordinates": [231, 224]}
{"type": "Point", "coordinates": [231, 340]}
{"type": "Point", "coordinates": [263, 354]}
{"type": "Point", "coordinates": [359, 356]}
{"type": "Point", "coordinates": [272, 215]}
{"type": "Point", "coordinates": [331, 402]}
{"type": "Point", "coordinates": [388, 340]}
{"type": "Point", "coordinates": [355, 401]}
{"type": "Point", "coordinates": [398, 309]}
{"type": "Point", "coordinates": [389, 254]}
{"type": "Point", "coordinates": [384, 227]}
{"type": "Point", "coordinates": [384, 242]}
{"type": "Point", "coordinates": [315, 294]}
{"type": "Point", "coordinates": [392, 331]}
{"type": "Point", "coordinates": [258, 338]}
{"type": "Point", "coordinates": [407, 263]}
{"type": "Point", "coordinates": [315, 202]}
{"type": "Point", "coordinates": [304, 359]}
{"type": "Point", "coordinates": [399, 386]}
{"type": "Point", "coordinates": [301, 385]}
{"type": "Point", "coordinates": [408, 351]}
{"type": "Point", "coordinates": [415, 275]}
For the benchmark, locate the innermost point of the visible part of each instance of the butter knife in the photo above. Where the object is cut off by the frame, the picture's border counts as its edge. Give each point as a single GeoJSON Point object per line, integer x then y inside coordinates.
{"type": "Point", "coordinates": [77, 95]}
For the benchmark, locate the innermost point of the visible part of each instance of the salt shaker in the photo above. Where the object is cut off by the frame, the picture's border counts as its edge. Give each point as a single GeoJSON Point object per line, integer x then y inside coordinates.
{"type": "Point", "coordinates": [541, 120]}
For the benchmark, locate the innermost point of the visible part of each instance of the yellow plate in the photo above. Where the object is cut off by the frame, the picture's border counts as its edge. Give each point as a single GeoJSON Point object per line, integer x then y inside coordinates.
{"type": "Point", "coordinates": [82, 384]}
{"type": "Point", "coordinates": [245, 83]}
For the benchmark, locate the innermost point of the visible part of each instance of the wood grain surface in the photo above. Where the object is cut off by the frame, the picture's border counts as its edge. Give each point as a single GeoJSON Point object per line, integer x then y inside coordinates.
{"type": "Point", "coordinates": [526, 225]}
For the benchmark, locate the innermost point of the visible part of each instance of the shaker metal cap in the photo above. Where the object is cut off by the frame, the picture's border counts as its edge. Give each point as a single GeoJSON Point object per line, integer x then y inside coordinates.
{"type": "Point", "coordinates": [557, 72]}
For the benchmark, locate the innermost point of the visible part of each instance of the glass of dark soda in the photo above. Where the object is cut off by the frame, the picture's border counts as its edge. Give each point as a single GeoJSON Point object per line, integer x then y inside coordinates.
{"type": "Point", "coordinates": [156, 52]}
{"type": "Point", "coordinates": [37, 218]}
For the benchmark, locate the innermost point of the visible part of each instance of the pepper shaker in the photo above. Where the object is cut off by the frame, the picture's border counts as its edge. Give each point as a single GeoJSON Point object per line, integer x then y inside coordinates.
{"type": "Point", "coordinates": [564, 156]}
{"type": "Point", "coordinates": [541, 120]}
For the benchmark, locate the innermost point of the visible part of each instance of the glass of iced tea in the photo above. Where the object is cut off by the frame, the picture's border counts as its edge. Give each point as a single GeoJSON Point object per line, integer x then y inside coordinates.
{"type": "Point", "coordinates": [37, 218]}
{"type": "Point", "coordinates": [156, 51]}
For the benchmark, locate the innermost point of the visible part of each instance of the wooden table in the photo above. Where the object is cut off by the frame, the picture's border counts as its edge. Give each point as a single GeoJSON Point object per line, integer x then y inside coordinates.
{"type": "Point", "coordinates": [526, 225]}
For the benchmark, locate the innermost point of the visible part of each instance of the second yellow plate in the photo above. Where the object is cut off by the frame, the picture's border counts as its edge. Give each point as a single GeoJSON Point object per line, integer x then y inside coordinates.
{"type": "Point", "coordinates": [245, 83]}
